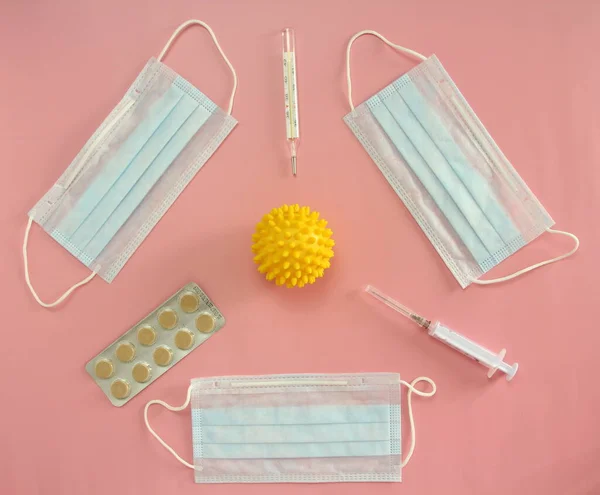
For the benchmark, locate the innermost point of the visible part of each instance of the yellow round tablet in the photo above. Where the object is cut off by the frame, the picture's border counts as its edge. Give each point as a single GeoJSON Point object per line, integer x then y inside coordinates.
{"type": "Point", "coordinates": [141, 372]}
{"type": "Point", "coordinates": [125, 352]}
{"type": "Point", "coordinates": [205, 323]}
{"type": "Point", "coordinates": [167, 318]}
{"type": "Point", "coordinates": [104, 368]}
{"type": "Point", "coordinates": [146, 335]}
{"type": "Point", "coordinates": [189, 302]}
{"type": "Point", "coordinates": [184, 339]}
{"type": "Point", "coordinates": [162, 355]}
{"type": "Point", "coordinates": [120, 389]}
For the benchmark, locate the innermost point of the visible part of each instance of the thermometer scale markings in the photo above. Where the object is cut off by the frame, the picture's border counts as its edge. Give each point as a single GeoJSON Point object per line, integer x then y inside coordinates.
{"type": "Point", "coordinates": [291, 96]}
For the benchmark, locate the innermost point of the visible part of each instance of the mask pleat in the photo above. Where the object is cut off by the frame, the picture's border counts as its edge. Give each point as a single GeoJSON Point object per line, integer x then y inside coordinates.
{"type": "Point", "coordinates": [174, 135]}
{"type": "Point", "coordinates": [145, 164]}
{"type": "Point", "coordinates": [297, 431]}
{"type": "Point", "coordinates": [437, 164]}
{"type": "Point", "coordinates": [476, 186]}
{"type": "Point", "coordinates": [429, 180]}
{"type": "Point", "coordinates": [114, 169]}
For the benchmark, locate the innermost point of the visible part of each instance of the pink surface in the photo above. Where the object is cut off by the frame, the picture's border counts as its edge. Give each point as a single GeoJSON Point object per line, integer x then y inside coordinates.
{"type": "Point", "coordinates": [529, 71]}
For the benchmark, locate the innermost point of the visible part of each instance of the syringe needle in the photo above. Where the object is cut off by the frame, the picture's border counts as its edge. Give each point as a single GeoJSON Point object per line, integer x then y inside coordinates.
{"type": "Point", "coordinates": [395, 305]}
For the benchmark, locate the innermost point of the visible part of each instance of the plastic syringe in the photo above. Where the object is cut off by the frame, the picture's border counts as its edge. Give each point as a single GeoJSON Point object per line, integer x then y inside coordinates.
{"type": "Point", "coordinates": [491, 360]}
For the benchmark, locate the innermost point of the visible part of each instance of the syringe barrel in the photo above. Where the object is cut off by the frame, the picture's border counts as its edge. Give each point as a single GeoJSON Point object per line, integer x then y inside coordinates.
{"type": "Point", "coordinates": [463, 344]}
{"type": "Point", "coordinates": [493, 361]}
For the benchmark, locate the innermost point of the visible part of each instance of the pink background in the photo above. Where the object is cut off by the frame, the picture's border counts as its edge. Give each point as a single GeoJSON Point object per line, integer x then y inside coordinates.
{"type": "Point", "coordinates": [530, 71]}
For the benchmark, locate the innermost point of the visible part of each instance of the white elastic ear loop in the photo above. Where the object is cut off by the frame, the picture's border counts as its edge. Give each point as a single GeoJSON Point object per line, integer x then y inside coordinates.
{"type": "Point", "coordinates": [537, 265]}
{"type": "Point", "coordinates": [28, 280]}
{"type": "Point", "coordinates": [212, 34]}
{"type": "Point", "coordinates": [411, 389]}
{"type": "Point", "coordinates": [402, 49]}
{"type": "Point", "coordinates": [170, 408]}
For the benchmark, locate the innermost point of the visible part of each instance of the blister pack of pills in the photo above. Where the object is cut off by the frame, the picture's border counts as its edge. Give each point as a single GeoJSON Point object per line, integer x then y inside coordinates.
{"type": "Point", "coordinates": [155, 344]}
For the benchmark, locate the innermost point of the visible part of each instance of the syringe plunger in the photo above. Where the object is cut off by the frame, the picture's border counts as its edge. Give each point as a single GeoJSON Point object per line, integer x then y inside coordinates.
{"type": "Point", "coordinates": [482, 355]}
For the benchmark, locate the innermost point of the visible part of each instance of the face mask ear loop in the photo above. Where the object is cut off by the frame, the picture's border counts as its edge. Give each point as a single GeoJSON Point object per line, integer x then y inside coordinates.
{"type": "Point", "coordinates": [28, 280]}
{"type": "Point", "coordinates": [407, 51]}
{"type": "Point", "coordinates": [411, 389]}
{"type": "Point", "coordinates": [537, 265]}
{"type": "Point", "coordinates": [212, 34]}
{"type": "Point", "coordinates": [175, 409]}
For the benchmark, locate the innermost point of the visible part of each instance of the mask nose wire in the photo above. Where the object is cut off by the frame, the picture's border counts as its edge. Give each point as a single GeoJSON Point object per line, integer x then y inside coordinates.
{"type": "Point", "coordinates": [402, 49]}
{"type": "Point", "coordinates": [191, 22]}
{"type": "Point", "coordinates": [28, 279]}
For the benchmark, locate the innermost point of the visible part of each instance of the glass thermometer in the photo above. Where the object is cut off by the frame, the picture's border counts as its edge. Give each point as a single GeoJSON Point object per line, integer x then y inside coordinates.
{"type": "Point", "coordinates": [290, 89]}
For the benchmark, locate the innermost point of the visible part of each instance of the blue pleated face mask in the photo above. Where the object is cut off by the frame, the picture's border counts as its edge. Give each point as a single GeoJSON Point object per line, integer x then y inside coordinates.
{"type": "Point", "coordinates": [462, 191]}
{"type": "Point", "coordinates": [297, 428]}
{"type": "Point", "coordinates": [132, 169]}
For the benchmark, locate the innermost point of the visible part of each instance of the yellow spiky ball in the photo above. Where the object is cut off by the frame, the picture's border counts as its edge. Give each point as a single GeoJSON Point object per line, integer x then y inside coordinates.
{"type": "Point", "coordinates": [292, 246]}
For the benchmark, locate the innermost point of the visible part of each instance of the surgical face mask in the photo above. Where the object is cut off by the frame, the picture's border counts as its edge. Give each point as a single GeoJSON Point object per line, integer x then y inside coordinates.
{"type": "Point", "coordinates": [132, 169]}
{"type": "Point", "coordinates": [467, 198]}
{"type": "Point", "coordinates": [297, 428]}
